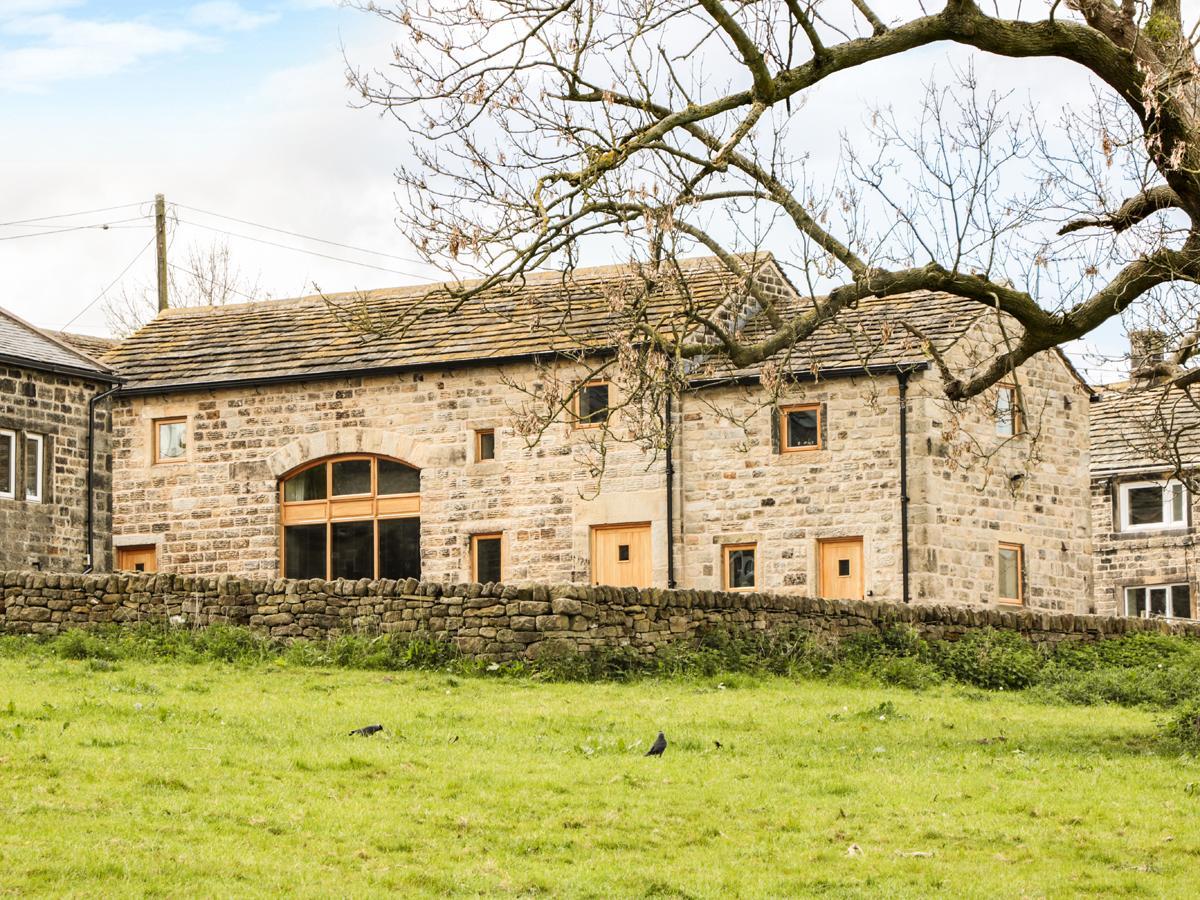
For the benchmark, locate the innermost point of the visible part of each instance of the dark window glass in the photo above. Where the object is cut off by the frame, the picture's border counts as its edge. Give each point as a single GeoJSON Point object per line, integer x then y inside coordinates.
{"type": "Point", "coordinates": [304, 551]}
{"type": "Point", "coordinates": [397, 478]}
{"type": "Point", "coordinates": [623, 553]}
{"type": "Point", "coordinates": [843, 568]}
{"type": "Point", "coordinates": [399, 548]}
{"type": "Point", "coordinates": [1135, 602]}
{"type": "Point", "coordinates": [1145, 505]}
{"type": "Point", "coordinates": [351, 476]}
{"type": "Point", "coordinates": [593, 404]}
{"type": "Point", "coordinates": [741, 568]}
{"type": "Point", "coordinates": [487, 560]}
{"type": "Point", "coordinates": [1181, 602]}
{"type": "Point", "coordinates": [487, 445]}
{"type": "Point", "coordinates": [353, 552]}
{"type": "Point", "coordinates": [802, 428]}
{"type": "Point", "coordinates": [6, 463]}
{"type": "Point", "coordinates": [1158, 601]}
{"type": "Point", "coordinates": [306, 485]}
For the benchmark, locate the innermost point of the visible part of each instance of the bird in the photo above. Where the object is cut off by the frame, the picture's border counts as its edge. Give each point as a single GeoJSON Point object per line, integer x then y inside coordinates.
{"type": "Point", "coordinates": [659, 745]}
{"type": "Point", "coordinates": [717, 744]}
{"type": "Point", "coordinates": [367, 730]}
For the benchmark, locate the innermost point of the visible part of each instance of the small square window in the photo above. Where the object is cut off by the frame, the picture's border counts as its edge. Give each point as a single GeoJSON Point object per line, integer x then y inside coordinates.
{"type": "Point", "coordinates": [170, 440]}
{"type": "Point", "coordinates": [622, 553]}
{"type": "Point", "coordinates": [843, 568]}
{"type": "Point", "coordinates": [1007, 412]}
{"type": "Point", "coordinates": [35, 468]}
{"type": "Point", "coordinates": [740, 569]}
{"type": "Point", "coordinates": [800, 427]}
{"type": "Point", "coordinates": [1009, 575]}
{"type": "Point", "coordinates": [485, 444]}
{"type": "Point", "coordinates": [487, 558]}
{"type": "Point", "coordinates": [8, 464]}
{"type": "Point", "coordinates": [591, 404]}
{"type": "Point", "coordinates": [1152, 504]}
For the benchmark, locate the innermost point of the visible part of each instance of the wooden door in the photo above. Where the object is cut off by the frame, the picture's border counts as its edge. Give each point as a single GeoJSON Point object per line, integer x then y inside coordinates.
{"type": "Point", "coordinates": [842, 569]}
{"type": "Point", "coordinates": [621, 555]}
{"type": "Point", "coordinates": [137, 559]}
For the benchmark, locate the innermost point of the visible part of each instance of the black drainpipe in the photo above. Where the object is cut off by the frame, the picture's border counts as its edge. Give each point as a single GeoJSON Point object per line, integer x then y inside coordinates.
{"type": "Point", "coordinates": [902, 380]}
{"type": "Point", "coordinates": [91, 474]}
{"type": "Point", "coordinates": [670, 459]}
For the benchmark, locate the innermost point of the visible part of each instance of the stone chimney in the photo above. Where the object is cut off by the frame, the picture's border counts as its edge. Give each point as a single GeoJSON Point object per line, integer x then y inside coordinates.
{"type": "Point", "coordinates": [1146, 346]}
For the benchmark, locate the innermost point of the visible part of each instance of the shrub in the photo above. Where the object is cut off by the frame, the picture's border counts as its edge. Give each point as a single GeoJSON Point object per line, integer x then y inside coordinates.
{"type": "Point", "coordinates": [1183, 727]}
{"type": "Point", "coordinates": [998, 660]}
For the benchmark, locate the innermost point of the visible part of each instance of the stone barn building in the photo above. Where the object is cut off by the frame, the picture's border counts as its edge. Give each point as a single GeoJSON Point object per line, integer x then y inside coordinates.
{"type": "Point", "coordinates": [55, 456]}
{"type": "Point", "coordinates": [277, 439]}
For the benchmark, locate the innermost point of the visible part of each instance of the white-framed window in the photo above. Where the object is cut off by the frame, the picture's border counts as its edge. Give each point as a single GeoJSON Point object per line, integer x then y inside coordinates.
{"type": "Point", "coordinates": [8, 464]}
{"type": "Point", "coordinates": [35, 467]}
{"type": "Point", "coordinates": [1152, 504]}
{"type": "Point", "coordinates": [1159, 601]}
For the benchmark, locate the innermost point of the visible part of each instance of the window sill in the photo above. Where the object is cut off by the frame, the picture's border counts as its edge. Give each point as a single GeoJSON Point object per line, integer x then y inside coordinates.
{"type": "Point", "coordinates": [1018, 604]}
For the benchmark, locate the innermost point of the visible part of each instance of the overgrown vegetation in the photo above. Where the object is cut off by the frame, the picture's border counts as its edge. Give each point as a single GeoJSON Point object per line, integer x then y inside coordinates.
{"type": "Point", "coordinates": [1155, 671]}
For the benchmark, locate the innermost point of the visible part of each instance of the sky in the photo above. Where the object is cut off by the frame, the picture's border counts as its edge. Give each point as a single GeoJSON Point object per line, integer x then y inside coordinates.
{"type": "Point", "coordinates": [240, 108]}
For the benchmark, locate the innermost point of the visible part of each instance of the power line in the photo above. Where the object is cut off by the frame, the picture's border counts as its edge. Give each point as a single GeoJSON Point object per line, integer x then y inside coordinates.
{"type": "Point", "coordinates": [307, 237]}
{"type": "Point", "coordinates": [83, 212]}
{"type": "Point", "coordinates": [308, 252]}
{"type": "Point", "coordinates": [104, 226]}
{"type": "Point", "coordinates": [111, 285]}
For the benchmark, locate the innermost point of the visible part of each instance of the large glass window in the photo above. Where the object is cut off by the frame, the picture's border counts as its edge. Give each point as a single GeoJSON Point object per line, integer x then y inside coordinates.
{"type": "Point", "coordinates": [1165, 601]}
{"type": "Point", "coordinates": [1152, 504]}
{"type": "Point", "coordinates": [352, 517]}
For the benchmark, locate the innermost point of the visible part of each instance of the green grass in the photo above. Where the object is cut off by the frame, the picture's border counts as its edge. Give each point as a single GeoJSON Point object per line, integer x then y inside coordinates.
{"type": "Point", "coordinates": [143, 778]}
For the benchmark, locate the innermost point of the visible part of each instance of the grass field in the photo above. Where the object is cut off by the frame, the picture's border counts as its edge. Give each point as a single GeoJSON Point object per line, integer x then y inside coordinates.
{"type": "Point", "coordinates": [179, 779]}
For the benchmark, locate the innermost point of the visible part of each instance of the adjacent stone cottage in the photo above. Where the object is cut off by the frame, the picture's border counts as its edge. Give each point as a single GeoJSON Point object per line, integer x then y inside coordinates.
{"type": "Point", "coordinates": [1145, 447]}
{"type": "Point", "coordinates": [55, 455]}
{"type": "Point", "coordinates": [277, 438]}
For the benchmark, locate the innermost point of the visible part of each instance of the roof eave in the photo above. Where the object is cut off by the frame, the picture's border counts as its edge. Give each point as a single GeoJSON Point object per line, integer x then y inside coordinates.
{"type": "Point", "coordinates": [55, 369]}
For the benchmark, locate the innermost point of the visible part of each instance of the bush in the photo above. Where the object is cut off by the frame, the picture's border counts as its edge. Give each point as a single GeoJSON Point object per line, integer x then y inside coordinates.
{"type": "Point", "coordinates": [1183, 727]}
{"type": "Point", "coordinates": [997, 660]}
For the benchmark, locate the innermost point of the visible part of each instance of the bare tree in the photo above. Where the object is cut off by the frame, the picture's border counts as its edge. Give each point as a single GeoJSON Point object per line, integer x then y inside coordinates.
{"type": "Point", "coordinates": [208, 276]}
{"type": "Point", "coordinates": [538, 126]}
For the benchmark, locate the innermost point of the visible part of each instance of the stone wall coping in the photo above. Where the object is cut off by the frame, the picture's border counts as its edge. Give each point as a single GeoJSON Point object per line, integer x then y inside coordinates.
{"type": "Point", "coordinates": [256, 590]}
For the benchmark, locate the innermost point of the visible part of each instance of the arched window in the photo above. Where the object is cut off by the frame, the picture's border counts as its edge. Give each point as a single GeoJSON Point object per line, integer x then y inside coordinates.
{"type": "Point", "coordinates": [352, 517]}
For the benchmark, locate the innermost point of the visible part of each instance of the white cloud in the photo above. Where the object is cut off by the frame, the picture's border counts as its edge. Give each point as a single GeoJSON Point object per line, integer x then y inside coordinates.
{"type": "Point", "coordinates": [62, 48]}
{"type": "Point", "coordinates": [229, 16]}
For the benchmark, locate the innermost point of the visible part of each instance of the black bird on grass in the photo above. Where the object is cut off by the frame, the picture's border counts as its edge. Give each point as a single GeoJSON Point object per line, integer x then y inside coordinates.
{"type": "Point", "coordinates": [659, 745]}
{"type": "Point", "coordinates": [367, 730]}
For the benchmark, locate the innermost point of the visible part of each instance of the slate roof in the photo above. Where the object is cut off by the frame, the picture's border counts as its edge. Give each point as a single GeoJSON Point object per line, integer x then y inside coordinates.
{"type": "Point", "coordinates": [87, 344]}
{"type": "Point", "coordinates": [24, 345]}
{"type": "Point", "coordinates": [322, 336]}
{"type": "Point", "coordinates": [1147, 429]}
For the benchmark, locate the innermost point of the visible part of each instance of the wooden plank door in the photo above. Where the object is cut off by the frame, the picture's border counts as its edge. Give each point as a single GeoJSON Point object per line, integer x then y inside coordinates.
{"type": "Point", "coordinates": [842, 569]}
{"type": "Point", "coordinates": [621, 555]}
{"type": "Point", "coordinates": [137, 559]}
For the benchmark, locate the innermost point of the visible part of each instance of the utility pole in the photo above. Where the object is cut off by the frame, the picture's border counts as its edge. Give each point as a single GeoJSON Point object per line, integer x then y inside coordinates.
{"type": "Point", "coordinates": [160, 233]}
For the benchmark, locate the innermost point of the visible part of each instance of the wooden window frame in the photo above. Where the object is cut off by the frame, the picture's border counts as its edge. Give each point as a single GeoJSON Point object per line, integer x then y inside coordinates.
{"type": "Point", "coordinates": [1019, 600]}
{"type": "Point", "coordinates": [1018, 420]}
{"type": "Point", "coordinates": [784, 447]}
{"type": "Point", "coordinates": [12, 464]}
{"type": "Point", "coordinates": [40, 480]}
{"type": "Point", "coordinates": [486, 536]}
{"type": "Point", "coordinates": [479, 434]}
{"type": "Point", "coordinates": [1166, 485]}
{"type": "Point", "coordinates": [726, 551]}
{"type": "Point", "coordinates": [576, 417]}
{"type": "Point", "coordinates": [371, 507]}
{"type": "Point", "coordinates": [1169, 586]}
{"type": "Point", "coordinates": [156, 424]}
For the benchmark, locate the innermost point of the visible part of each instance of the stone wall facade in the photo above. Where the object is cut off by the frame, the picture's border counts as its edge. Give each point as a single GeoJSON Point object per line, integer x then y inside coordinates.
{"type": "Point", "coordinates": [218, 510]}
{"type": "Point", "coordinates": [1133, 559]}
{"type": "Point", "coordinates": [52, 533]}
{"type": "Point", "coordinates": [503, 622]}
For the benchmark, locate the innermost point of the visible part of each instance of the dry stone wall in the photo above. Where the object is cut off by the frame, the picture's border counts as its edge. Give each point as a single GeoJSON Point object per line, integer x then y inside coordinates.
{"type": "Point", "coordinates": [501, 622]}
